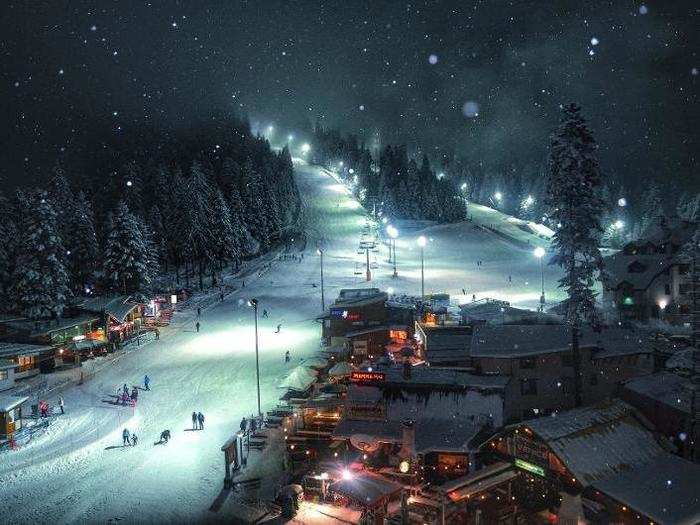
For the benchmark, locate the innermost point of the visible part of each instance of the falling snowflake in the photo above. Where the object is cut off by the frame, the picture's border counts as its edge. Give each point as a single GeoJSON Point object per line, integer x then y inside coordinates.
{"type": "Point", "coordinates": [433, 59]}
{"type": "Point", "coordinates": [594, 41]}
{"type": "Point", "coordinates": [694, 71]}
{"type": "Point", "coordinates": [470, 109]}
{"type": "Point", "coordinates": [362, 107]}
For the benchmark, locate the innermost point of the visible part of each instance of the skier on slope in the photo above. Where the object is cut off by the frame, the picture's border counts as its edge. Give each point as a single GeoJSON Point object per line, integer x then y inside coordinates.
{"type": "Point", "coordinates": [287, 357]}
{"type": "Point", "coordinates": [146, 382]}
{"type": "Point", "coordinates": [134, 440]}
{"type": "Point", "coordinates": [194, 420]}
{"type": "Point", "coordinates": [125, 389]}
{"type": "Point", "coordinates": [265, 315]}
{"type": "Point", "coordinates": [200, 419]}
{"type": "Point", "coordinates": [244, 424]}
{"type": "Point", "coordinates": [60, 404]}
{"type": "Point", "coordinates": [125, 437]}
{"type": "Point", "coordinates": [279, 327]}
{"type": "Point", "coordinates": [197, 326]}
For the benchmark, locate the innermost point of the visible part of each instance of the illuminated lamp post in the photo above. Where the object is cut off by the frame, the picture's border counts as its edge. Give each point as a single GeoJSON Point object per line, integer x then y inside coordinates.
{"type": "Point", "coordinates": [254, 304]}
{"type": "Point", "coordinates": [393, 233]}
{"type": "Point", "coordinates": [422, 241]}
{"type": "Point", "coordinates": [540, 253]}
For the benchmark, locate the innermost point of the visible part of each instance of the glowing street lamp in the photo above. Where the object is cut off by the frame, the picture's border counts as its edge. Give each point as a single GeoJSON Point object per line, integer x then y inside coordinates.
{"type": "Point", "coordinates": [270, 128]}
{"type": "Point", "coordinates": [422, 241]}
{"type": "Point", "coordinates": [323, 300]}
{"type": "Point", "coordinates": [254, 304]}
{"type": "Point", "coordinates": [463, 187]}
{"type": "Point", "coordinates": [305, 148]}
{"type": "Point", "coordinates": [498, 196]}
{"type": "Point", "coordinates": [290, 137]}
{"type": "Point", "coordinates": [540, 253]}
{"type": "Point", "coordinates": [618, 224]}
{"type": "Point", "coordinates": [393, 233]}
{"type": "Point", "coordinates": [622, 202]}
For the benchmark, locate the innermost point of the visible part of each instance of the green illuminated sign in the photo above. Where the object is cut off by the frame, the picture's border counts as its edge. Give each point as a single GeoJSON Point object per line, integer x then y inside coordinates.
{"type": "Point", "coordinates": [529, 467]}
{"type": "Point", "coordinates": [627, 301]}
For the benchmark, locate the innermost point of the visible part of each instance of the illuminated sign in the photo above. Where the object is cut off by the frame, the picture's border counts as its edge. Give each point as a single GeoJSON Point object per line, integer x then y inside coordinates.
{"type": "Point", "coordinates": [530, 467]}
{"type": "Point", "coordinates": [628, 301]}
{"type": "Point", "coordinates": [404, 466]}
{"type": "Point", "coordinates": [360, 376]}
{"type": "Point", "coordinates": [341, 313]}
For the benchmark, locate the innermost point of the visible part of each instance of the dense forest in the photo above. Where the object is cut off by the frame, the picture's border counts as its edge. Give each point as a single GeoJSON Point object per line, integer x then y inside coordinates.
{"type": "Point", "coordinates": [398, 186]}
{"type": "Point", "coordinates": [394, 184]}
{"type": "Point", "coordinates": [116, 215]}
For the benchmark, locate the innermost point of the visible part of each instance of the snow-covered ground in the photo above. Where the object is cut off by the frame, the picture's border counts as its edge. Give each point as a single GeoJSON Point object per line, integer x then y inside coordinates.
{"type": "Point", "coordinates": [77, 471]}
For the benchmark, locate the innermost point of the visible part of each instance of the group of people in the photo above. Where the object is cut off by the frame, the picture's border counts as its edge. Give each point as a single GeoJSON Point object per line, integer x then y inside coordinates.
{"type": "Point", "coordinates": [128, 397]}
{"type": "Point", "coordinates": [129, 438]}
{"type": "Point", "coordinates": [197, 421]}
{"type": "Point", "coordinates": [249, 425]}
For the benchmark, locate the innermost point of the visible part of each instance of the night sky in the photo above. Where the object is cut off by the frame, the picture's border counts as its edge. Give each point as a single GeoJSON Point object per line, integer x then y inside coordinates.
{"type": "Point", "coordinates": [403, 69]}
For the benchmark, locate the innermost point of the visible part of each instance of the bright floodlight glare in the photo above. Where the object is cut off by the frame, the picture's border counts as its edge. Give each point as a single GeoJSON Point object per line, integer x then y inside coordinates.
{"type": "Point", "coordinates": [347, 474]}
{"type": "Point", "coordinates": [319, 251]}
{"type": "Point", "coordinates": [341, 163]}
{"type": "Point", "coordinates": [270, 128]}
{"type": "Point", "coordinates": [618, 225]}
{"type": "Point", "coordinates": [622, 202]}
{"type": "Point", "coordinates": [351, 171]}
{"type": "Point", "coordinates": [384, 220]}
{"type": "Point", "coordinates": [463, 186]}
{"type": "Point", "coordinates": [422, 241]}
{"type": "Point", "coordinates": [662, 304]}
{"type": "Point", "coordinates": [129, 183]}
{"type": "Point", "coordinates": [305, 147]}
{"type": "Point", "coordinates": [290, 137]}
{"type": "Point", "coordinates": [390, 290]}
{"type": "Point", "coordinates": [539, 252]}
{"type": "Point", "coordinates": [498, 195]}
{"type": "Point", "coordinates": [393, 232]}
{"type": "Point", "coordinates": [529, 200]}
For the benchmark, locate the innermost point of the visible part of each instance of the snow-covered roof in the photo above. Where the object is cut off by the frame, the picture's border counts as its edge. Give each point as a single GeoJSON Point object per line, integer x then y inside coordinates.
{"type": "Point", "coordinates": [299, 379]}
{"type": "Point", "coordinates": [597, 442]}
{"type": "Point", "coordinates": [359, 298]}
{"type": "Point", "coordinates": [664, 387]}
{"type": "Point", "coordinates": [665, 489]}
{"type": "Point", "coordinates": [446, 343]}
{"type": "Point", "coordinates": [431, 434]}
{"type": "Point", "coordinates": [36, 328]}
{"type": "Point", "coordinates": [512, 341]}
{"type": "Point", "coordinates": [15, 349]}
{"type": "Point", "coordinates": [7, 363]}
{"type": "Point", "coordinates": [443, 377]}
{"type": "Point", "coordinates": [684, 359]}
{"type": "Point", "coordinates": [117, 307]}
{"type": "Point", "coordinates": [366, 489]}
{"type": "Point", "coordinates": [7, 403]}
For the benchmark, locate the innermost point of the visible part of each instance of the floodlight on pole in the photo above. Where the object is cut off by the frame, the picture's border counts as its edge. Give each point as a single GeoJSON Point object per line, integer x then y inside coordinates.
{"type": "Point", "coordinates": [254, 303]}
{"type": "Point", "coordinates": [323, 299]}
{"type": "Point", "coordinates": [305, 148]}
{"type": "Point", "coordinates": [422, 241]}
{"type": "Point", "coordinates": [540, 253]}
{"type": "Point", "coordinates": [393, 233]}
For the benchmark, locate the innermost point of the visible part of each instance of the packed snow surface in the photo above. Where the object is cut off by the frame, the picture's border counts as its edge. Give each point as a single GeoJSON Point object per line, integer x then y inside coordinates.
{"type": "Point", "coordinates": [77, 470]}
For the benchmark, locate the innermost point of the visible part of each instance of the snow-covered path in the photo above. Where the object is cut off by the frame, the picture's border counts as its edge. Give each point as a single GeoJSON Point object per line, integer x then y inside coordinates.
{"type": "Point", "coordinates": [77, 472]}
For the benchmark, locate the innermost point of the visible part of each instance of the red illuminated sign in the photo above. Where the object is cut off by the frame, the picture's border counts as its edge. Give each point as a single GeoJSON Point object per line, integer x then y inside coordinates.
{"type": "Point", "coordinates": [361, 377]}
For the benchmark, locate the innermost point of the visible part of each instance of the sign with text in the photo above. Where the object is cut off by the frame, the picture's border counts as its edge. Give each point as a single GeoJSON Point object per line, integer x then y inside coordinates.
{"type": "Point", "coordinates": [359, 376]}
{"type": "Point", "coordinates": [341, 313]}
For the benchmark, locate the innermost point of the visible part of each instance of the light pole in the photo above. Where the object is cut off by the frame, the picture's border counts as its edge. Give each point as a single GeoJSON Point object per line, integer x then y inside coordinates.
{"type": "Point", "coordinates": [422, 241]}
{"type": "Point", "coordinates": [323, 299]}
{"type": "Point", "coordinates": [393, 233]}
{"type": "Point", "coordinates": [254, 304]}
{"type": "Point", "coordinates": [540, 253]}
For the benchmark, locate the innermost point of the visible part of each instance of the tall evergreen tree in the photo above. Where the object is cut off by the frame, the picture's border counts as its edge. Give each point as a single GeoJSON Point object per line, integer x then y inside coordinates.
{"type": "Point", "coordinates": [125, 255]}
{"type": "Point", "coordinates": [82, 240]}
{"type": "Point", "coordinates": [8, 248]}
{"type": "Point", "coordinates": [572, 195]}
{"type": "Point", "coordinates": [40, 281]}
{"type": "Point", "coordinates": [198, 220]}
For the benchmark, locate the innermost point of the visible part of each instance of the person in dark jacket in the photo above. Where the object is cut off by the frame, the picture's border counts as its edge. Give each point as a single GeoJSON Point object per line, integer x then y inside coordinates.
{"type": "Point", "coordinates": [244, 424]}
{"type": "Point", "coordinates": [194, 420]}
{"type": "Point", "coordinates": [200, 419]}
{"type": "Point", "coordinates": [146, 382]}
{"type": "Point", "coordinates": [165, 436]}
{"type": "Point", "coordinates": [134, 440]}
{"type": "Point", "coordinates": [125, 437]}
{"type": "Point", "coordinates": [197, 326]}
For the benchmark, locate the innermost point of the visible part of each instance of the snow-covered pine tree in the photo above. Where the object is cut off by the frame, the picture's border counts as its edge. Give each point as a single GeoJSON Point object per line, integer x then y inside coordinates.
{"type": "Point", "coordinates": [224, 240]}
{"type": "Point", "coordinates": [575, 206]}
{"type": "Point", "coordinates": [251, 197]}
{"type": "Point", "coordinates": [82, 240]}
{"type": "Point", "coordinates": [40, 281]}
{"type": "Point", "coordinates": [198, 216]}
{"type": "Point", "coordinates": [688, 207]}
{"type": "Point", "coordinates": [125, 255]}
{"type": "Point", "coordinates": [652, 210]}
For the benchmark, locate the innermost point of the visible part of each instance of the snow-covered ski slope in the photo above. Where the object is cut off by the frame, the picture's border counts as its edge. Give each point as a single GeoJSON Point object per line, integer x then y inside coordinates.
{"type": "Point", "coordinates": [76, 472]}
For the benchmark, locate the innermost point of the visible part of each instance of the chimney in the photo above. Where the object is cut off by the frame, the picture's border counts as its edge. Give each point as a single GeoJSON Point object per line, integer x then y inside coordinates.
{"type": "Point", "coordinates": [408, 439]}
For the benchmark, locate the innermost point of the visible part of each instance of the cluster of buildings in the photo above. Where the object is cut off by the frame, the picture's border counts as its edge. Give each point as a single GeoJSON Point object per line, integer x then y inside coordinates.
{"type": "Point", "coordinates": [89, 327]}
{"type": "Point", "coordinates": [431, 413]}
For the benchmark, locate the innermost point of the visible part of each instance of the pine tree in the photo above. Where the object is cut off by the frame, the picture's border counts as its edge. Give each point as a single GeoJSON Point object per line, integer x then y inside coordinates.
{"type": "Point", "coordinates": [198, 220]}
{"type": "Point", "coordinates": [125, 255]}
{"type": "Point", "coordinates": [689, 207]}
{"type": "Point", "coordinates": [225, 247]}
{"type": "Point", "coordinates": [572, 195]}
{"type": "Point", "coordinates": [652, 210]}
{"type": "Point", "coordinates": [40, 281]}
{"type": "Point", "coordinates": [82, 240]}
